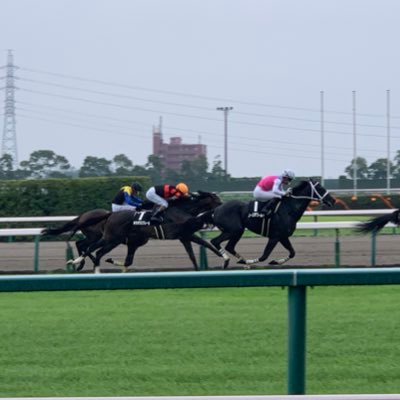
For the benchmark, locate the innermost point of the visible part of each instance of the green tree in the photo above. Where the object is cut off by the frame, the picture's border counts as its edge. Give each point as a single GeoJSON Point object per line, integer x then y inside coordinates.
{"type": "Point", "coordinates": [194, 172]}
{"type": "Point", "coordinates": [396, 166]}
{"type": "Point", "coordinates": [378, 169]}
{"type": "Point", "coordinates": [362, 168]}
{"type": "Point", "coordinates": [155, 169]}
{"type": "Point", "coordinates": [94, 166]}
{"type": "Point", "coordinates": [172, 176]}
{"type": "Point", "coordinates": [45, 164]}
{"type": "Point", "coordinates": [218, 174]}
{"type": "Point", "coordinates": [6, 167]}
{"type": "Point", "coordinates": [122, 165]}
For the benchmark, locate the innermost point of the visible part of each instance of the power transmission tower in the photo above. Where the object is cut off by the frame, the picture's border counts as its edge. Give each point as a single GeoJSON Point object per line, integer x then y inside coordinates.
{"type": "Point", "coordinates": [9, 141]}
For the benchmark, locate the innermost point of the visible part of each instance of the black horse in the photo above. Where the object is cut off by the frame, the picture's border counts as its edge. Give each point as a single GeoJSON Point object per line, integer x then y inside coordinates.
{"type": "Point", "coordinates": [119, 228]}
{"type": "Point", "coordinates": [377, 223]}
{"type": "Point", "coordinates": [234, 216]}
{"type": "Point", "coordinates": [87, 224]}
{"type": "Point", "coordinates": [92, 223]}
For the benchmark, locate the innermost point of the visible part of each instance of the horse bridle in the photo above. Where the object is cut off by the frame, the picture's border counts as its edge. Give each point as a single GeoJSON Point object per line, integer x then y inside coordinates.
{"type": "Point", "coordinates": [313, 192]}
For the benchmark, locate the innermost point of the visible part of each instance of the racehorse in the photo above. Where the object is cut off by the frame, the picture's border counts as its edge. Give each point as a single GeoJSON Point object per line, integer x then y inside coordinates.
{"type": "Point", "coordinates": [377, 223]}
{"type": "Point", "coordinates": [92, 233]}
{"type": "Point", "coordinates": [234, 216]}
{"type": "Point", "coordinates": [91, 223]}
{"type": "Point", "coordinates": [119, 228]}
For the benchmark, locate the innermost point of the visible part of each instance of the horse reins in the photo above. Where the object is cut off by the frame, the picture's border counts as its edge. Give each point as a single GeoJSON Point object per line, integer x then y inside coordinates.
{"type": "Point", "coordinates": [313, 191]}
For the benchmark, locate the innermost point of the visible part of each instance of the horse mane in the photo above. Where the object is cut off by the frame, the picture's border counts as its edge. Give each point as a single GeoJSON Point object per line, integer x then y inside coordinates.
{"type": "Point", "coordinates": [301, 185]}
{"type": "Point", "coordinates": [187, 202]}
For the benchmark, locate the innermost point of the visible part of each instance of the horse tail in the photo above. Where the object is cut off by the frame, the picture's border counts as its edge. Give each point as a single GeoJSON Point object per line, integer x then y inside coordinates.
{"type": "Point", "coordinates": [70, 226]}
{"type": "Point", "coordinates": [376, 224]}
{"type": "Point", "coordinates": [74, 225]}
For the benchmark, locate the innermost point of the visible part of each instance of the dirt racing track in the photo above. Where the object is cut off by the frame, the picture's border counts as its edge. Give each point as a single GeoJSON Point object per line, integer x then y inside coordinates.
{"type": "Point", "coordinates": [311, 252]}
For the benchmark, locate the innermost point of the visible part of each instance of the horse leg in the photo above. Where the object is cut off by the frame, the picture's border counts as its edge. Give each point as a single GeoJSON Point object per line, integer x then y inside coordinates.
{"type": "Point", "coordinates": [272, 242]}
{"type": "Point", "coordinates": [216, 242]}
{"type": "Point", "coordinates": [285, 242]}
{"type": "Point", "coordinates": [187, 244]}
{"type": "Point", "coordinates": [233, 238]}
{"type": "Point", "coordinates": [87, 252]}
{"type": "Point", "coordinates": [128, 259]}
{"type": "Point", "coordinates": [202, 242]}
{"type": "Point", "coordinates": [230, 247]}
{"type": "Point", "coordinates": [104, 249]}
{"type": "Point", "coordinates": [81, 246]}
{"type": "Point", "coordinates": [133, 244]}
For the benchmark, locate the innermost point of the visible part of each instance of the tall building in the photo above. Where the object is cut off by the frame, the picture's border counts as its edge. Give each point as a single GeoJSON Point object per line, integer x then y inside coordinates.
{"type": "Point", "coordinates": [174, 152]}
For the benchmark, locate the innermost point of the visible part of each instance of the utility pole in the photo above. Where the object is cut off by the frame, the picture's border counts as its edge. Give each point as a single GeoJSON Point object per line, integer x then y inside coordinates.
{"type": "Point", "coordinates": [9, 141]}
{"type": "Point", "coordinates": [322, 139]}
{"type": "Point", "coordinates": [226, 111]}
{"type": "Point", "coordinates": [354, 145]}
{"type": "Point", "coordinates": [388, 172]}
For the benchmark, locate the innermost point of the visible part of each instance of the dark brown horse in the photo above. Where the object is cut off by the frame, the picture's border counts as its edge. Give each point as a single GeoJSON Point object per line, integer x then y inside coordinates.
{"type": "Point", "coordinates": [119, 229]}
{"type": "Point", "coordinates": [92, 223]}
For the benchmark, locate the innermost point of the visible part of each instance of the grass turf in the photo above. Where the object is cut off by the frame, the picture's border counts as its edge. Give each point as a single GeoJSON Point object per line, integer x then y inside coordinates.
{"type": "Point", "coordinates": [195, 342]}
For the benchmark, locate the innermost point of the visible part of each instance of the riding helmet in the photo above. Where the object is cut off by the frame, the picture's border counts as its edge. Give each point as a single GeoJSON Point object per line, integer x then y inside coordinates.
{"type": "Point", "coordinates": [137, 187]}
{"type": "Point", "coordinates": [182, 187]}
{"type": "Point", "coordinates": [288, 173]}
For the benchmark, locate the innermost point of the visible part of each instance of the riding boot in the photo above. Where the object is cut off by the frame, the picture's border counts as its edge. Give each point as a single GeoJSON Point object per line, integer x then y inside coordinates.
{"type": "Point", "coordinates": [157, 217]}
{"type": "Point", "coordinates": [269, 207]}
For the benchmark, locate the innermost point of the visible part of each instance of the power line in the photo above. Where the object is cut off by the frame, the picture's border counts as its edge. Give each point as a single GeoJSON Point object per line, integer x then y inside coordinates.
{"type": "Point", "coordinates": [183, 94]}
{"type": "Point", "coordinates": [249, 114]}
{"type": "Point", "coordinates": [252, 148]}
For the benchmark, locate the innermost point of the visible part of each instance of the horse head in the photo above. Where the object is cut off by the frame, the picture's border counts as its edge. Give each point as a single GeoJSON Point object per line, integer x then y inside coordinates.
{"type": "Point", "coordinates": [208, 198]}
{"type": "Point", "coordinates": [313, 190]}
{"type": "Point", "coordinates": [197, 202]}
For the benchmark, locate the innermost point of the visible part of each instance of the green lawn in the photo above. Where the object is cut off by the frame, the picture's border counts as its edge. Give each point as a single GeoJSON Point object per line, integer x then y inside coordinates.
{"type": "Point", "coordinates": [195, 342]}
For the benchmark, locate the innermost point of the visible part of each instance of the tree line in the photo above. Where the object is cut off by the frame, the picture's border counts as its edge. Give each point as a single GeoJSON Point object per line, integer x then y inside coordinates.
{"type": "Point", "coordinates": [44, 164]}
{"type": "Point", "coordinates": [376, 170]}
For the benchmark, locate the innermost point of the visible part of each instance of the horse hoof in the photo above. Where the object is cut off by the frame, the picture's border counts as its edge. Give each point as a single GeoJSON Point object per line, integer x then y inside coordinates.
{"type": "Point", "coordinates": [110, 260]}
{"type": "Point", "coordinates": [273, 262]}
{"type": "Point", "coordinates": [241, 261]}
{"type": "Point", "coordinates": [226, 263]}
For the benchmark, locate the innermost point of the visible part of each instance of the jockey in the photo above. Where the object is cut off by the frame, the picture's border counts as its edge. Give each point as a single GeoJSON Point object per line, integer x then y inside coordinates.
{"type": "Point", "coordinates": [126, 198]}
{"type": "Point", "coordinates": [159, 195]}
{"type": "Point", "coordinates": [271, 188]}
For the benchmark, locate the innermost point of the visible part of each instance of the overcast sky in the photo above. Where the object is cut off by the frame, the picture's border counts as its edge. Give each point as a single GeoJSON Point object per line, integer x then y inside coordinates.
{"type": "Point", "coordinates": [95, 76]}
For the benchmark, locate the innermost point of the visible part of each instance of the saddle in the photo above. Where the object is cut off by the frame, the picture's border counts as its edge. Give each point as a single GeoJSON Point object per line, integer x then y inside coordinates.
{"type": "Point", "coordinates": [263, 209]}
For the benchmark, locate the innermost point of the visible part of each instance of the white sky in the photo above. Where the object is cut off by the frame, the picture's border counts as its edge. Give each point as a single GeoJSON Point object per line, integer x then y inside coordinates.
{"type": "Point", "coordinates": [180, 59]}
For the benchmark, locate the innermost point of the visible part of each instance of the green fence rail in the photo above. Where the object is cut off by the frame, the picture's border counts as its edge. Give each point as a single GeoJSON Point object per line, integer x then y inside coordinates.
{"type": "Point", "coordinates": [296, 281]}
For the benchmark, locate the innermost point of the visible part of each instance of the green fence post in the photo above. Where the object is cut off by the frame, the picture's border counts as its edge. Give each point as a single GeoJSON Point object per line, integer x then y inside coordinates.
{"type": "Point", "coordinates": [203, 255]}
{"type": "Point", "coordinates": [296, 339]}
{"type": "Point", "coordinates": [69, 255]}
{"type": "Point", "coordinates": [373, 249]}
{"type": "Point", "coordinates": [36, 256]}
{"type": "Point", "coordinates": [315, 220]}
{"type": "Point", "coordinates": [337, 249]}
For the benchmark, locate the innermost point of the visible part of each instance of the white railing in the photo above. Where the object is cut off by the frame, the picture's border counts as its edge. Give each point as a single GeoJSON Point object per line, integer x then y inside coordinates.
{"type": "Point", "coordinates": [307, 213]}
{"type": "Point", "coordinates": [316, 225]}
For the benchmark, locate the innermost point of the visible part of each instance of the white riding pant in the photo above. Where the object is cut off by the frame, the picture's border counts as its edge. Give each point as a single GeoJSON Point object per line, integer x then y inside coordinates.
{"type": "Point", "coordinates": [155, 198]}
{"type": "Point", "coordinates": [262, 195]}
{"type": "Point", "coordinates": [122, 207]}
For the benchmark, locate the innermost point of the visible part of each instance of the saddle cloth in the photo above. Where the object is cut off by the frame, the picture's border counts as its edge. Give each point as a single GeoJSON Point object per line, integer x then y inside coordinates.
{"type": "Point", "coordinates": [256, 208]}
{"type": "Point", "coordinates": [142, 218]}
